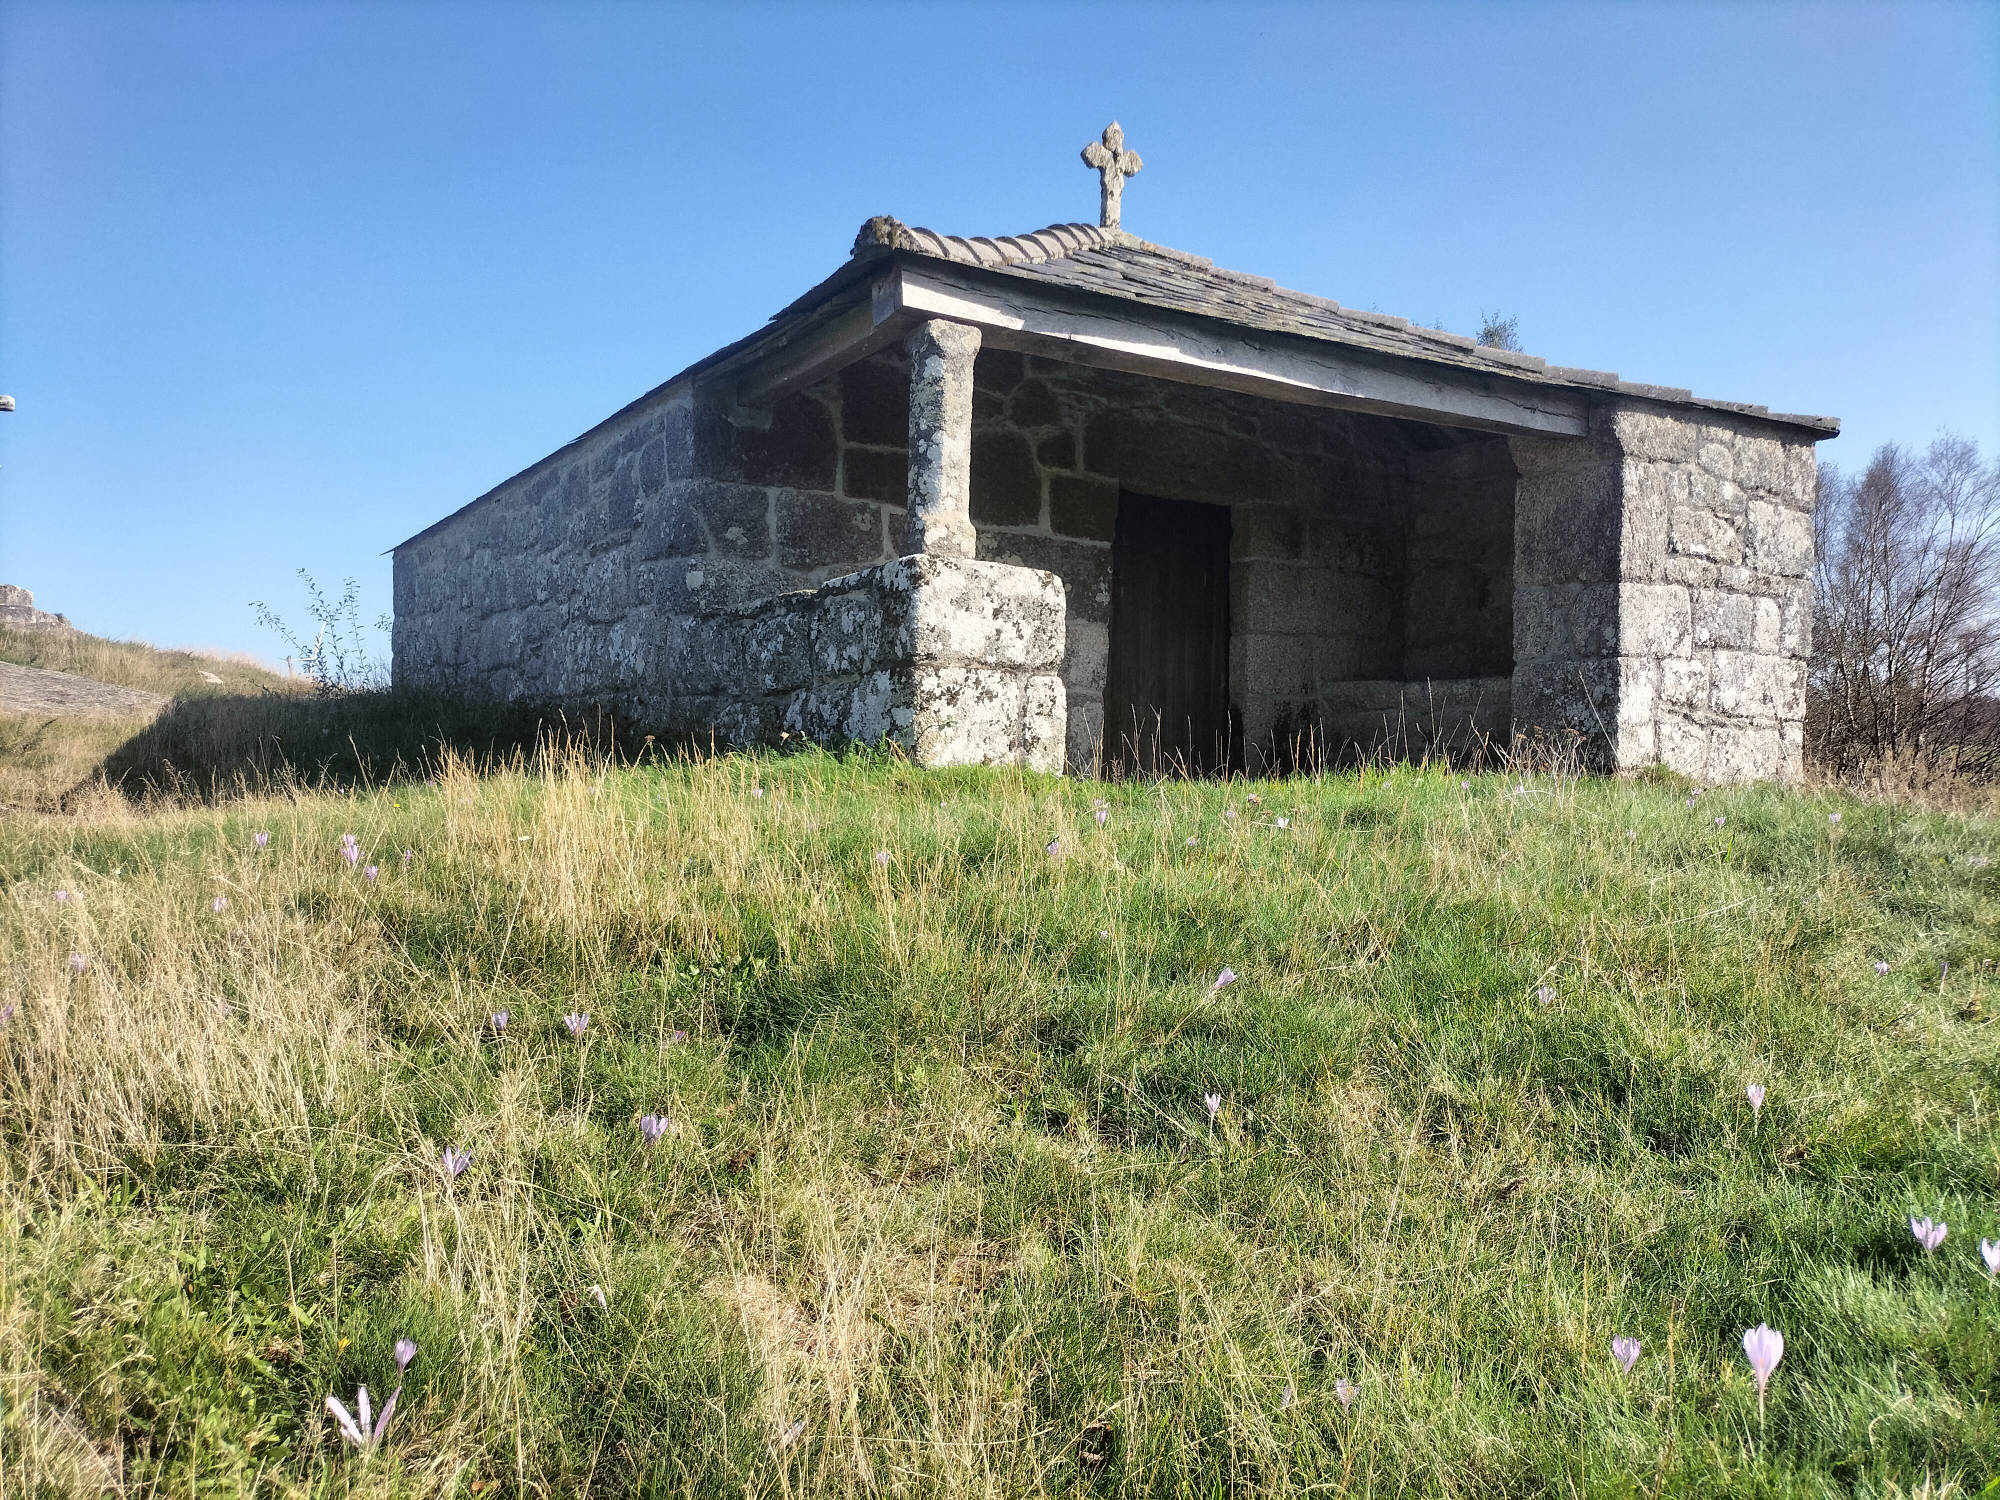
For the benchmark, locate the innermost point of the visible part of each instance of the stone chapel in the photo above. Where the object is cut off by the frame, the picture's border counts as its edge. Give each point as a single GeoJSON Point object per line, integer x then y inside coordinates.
{"type": "Point", "coordinates": [1073, 500]}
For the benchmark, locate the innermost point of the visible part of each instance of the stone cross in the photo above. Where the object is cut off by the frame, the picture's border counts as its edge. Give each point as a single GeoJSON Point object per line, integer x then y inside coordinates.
{"type": "Point", "coordinates": [1113, 164]}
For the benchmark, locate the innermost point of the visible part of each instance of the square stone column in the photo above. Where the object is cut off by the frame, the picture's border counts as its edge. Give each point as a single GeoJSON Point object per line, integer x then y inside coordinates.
{"type": "Point", "coordinates": [957, 661]}
{"type": "Point", "coordinates": [939, 521]}
{"type": "Point", "coordinates": [1663, 591]}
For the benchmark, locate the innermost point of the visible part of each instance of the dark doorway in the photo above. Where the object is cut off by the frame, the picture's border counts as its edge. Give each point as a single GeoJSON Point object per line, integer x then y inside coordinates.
{"type": "Point", "coordinates": [1166, 690]}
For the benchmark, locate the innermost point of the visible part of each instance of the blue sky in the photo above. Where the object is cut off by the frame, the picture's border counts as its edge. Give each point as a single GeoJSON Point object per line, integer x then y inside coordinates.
{"type": "Point", "coordinates": [281, 284]}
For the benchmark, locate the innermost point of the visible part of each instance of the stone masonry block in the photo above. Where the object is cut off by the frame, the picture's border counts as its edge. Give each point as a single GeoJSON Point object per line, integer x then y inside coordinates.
{"type": "Point", "coordinates": [1748, 686]}
{"type": "Point", "coordinates": [1083, 567]}
{"type": "Point", "coordinates": [778, 645]}
{"type": "Point", "coordinates": [1781, 540]}
{"type": "Point", "coordinates": [737, 517]}
{"type": "Point", "coordinates": [1681, 744]}
{"type": "Point", "coordinates": [821, 530]}
{"type": "Point", "coordinates": [1696, 532]}
{"type": "Point", "coordinates": [878, 474]}
{"type": "Point", "coordinates": [1006, 485]}
{"type": "Point", "coordinates": [989, 614]}
{"type": "Point", "coordinates": [1173, 458]}
{"type": "Point", "coordinates": [1083, 507]}
{"type": "Point", "coordinates": [1268, 531]}
{"type": "Point", "coordinates": [875, 403]}
{"type": "Point", "coordinates": [1727, 621]}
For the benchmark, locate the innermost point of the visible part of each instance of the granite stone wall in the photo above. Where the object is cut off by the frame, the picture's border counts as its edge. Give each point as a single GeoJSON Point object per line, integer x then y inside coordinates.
{"type": "Point", "coordinates": [586, 578]}
{"type": "Point", "coordinates": [1663, 592]}
{"type": "Point", "coordinates": [1392, 582]}
{"type": "Point", "coordinates": [955, 660]}
{"type": "Point", "coordinates": [1321, 513]}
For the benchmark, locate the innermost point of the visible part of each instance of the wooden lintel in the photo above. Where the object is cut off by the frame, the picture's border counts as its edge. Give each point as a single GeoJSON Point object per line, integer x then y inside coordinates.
{"type": "Point", "coordinates": [1147, 341]}
{"type": "Point", "coordinates": [770, 374]}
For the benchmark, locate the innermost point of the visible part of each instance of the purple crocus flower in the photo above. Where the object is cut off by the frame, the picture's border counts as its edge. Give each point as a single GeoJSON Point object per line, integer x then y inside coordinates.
{"type": "Point", "coordinates": [499, 1019]}
{"type": "Point", "coordinates": [1546, 993]}
{"type": "Point", "coordinates": [1989, 1251]}
{"type": "Point", "coordinates": [1229, 815]}
{"type": "Point", "coordinates": [408, 855]}
{"type": "Point", "coordinates": [1192, 841]}
{"type": "Point", "coordinates": [261, 840]}
{"type": "Point", "coordinates": [218, 903]}
{"type": "Point", "coordinates": [576, 1020]}
{"type": "Point", "coordinates": [455, 1162]}
{"type": "Point", "coordinates": [1720, 821]}
{"type": "Point", "coordinates": [1625, 1349]}
{"type": "Point", "coordinates": [1346, 1390]}
{"type": "Point", "coordinates": [61, 896]}
{"type": "Point", "coordinates": [361, 1434]}
{"type": "Point", "coordinates": [652, 1127]}
{"type": "Point", "coordinates": [1054, 848]}
{"type": "Point", "coordinates": [674, 1038]}
{"type": "Point", "coordinates": [1223, 980]}
{"type": "Point", "coordinates": [1763, 1346]}
{"type": "Point", "coordinates": [1287, 1396]}
{"type": "Point", "coordinates": [882, 858]}
{"type": "Point", "coordinates": [1927, 1234]}
{"type": "Point", "coordinates": [406, 1350]}
{"type": "Point", "coordinates": [1103, 817]}
{"type": "Point", "coordinates": [351, 854]}
{"type": "Point", "coordinates": [1833, 818]}
{"type": "Point", "coordinates": [371, 872]}
{"type": "Point", "coordinates": [6, 1013]}
{"type": "Point", "coordinates": [1284, 822]}
{"type": "Point", "coordinates": [78, 963]}
{"type": "Point", "coordinates": [1214, 1103]}
{"type": "Point", "coordinates": [791, 1434]}
{"type": "Point", "coordinates": [1754, 1092]}
{"type": "Point", "coordinates": [1881, 967]}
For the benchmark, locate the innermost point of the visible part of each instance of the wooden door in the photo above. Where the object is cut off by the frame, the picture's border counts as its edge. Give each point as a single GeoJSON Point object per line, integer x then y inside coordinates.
{"type": "Point", "coordinates": [1166, 691]}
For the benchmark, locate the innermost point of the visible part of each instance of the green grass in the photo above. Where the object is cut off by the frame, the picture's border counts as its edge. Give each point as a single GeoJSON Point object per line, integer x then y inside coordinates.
{"type": "Point", "coordinates": [941, 1188]}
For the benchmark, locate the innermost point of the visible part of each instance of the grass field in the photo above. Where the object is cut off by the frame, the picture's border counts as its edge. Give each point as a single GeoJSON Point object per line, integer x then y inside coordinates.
{"type": "Point", "coordinates": [940, 1206]}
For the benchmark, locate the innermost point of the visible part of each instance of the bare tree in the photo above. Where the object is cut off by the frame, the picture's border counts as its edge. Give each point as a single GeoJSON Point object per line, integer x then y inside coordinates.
{"type": "Point", "coordinates": [1906, 627]}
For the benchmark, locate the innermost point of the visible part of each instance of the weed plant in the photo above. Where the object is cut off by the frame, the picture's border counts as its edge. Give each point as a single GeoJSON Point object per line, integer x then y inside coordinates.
{"type": "Point", "coordinates": [939, 1205]}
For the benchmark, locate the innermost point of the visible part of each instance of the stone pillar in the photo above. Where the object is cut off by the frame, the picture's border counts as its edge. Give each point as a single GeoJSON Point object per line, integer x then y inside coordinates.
{"type": "Point", "coordinates": [939, 521]}
{"type": "Point", "coordinates": [1663, 594]}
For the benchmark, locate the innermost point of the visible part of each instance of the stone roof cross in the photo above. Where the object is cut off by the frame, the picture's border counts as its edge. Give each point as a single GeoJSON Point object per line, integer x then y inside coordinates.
{"type": "Point", "coordinates": [1113, 164]}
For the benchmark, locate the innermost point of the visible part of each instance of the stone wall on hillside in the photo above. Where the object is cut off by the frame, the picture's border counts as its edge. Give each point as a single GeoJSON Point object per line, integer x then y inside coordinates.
{"type": "Point", "coordinates": [582, 579]}
{"type": "Point", "coordinates": [1392, 583]}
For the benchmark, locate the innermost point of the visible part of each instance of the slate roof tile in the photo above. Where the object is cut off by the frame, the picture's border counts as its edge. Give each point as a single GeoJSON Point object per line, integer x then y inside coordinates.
{"type": "Point", "coordinates": [1084, 257]}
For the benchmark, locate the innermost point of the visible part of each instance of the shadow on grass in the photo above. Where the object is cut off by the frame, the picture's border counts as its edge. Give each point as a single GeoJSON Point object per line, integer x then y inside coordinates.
{"type": "Point", "coordinates": [216, 748]}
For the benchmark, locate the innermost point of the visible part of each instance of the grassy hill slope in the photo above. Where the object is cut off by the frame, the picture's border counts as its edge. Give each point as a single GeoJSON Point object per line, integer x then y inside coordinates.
{"type": "Point", "coordinates": [972, 1180]}
{"type": "Point", "coordinates": [42, 759]}
{"type": "Point", "coordinates": [174, 674]}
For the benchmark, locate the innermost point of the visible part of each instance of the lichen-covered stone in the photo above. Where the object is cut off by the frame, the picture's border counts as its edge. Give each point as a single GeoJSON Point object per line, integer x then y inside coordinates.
{"type": "Point", "coordinates": [939, 520]}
